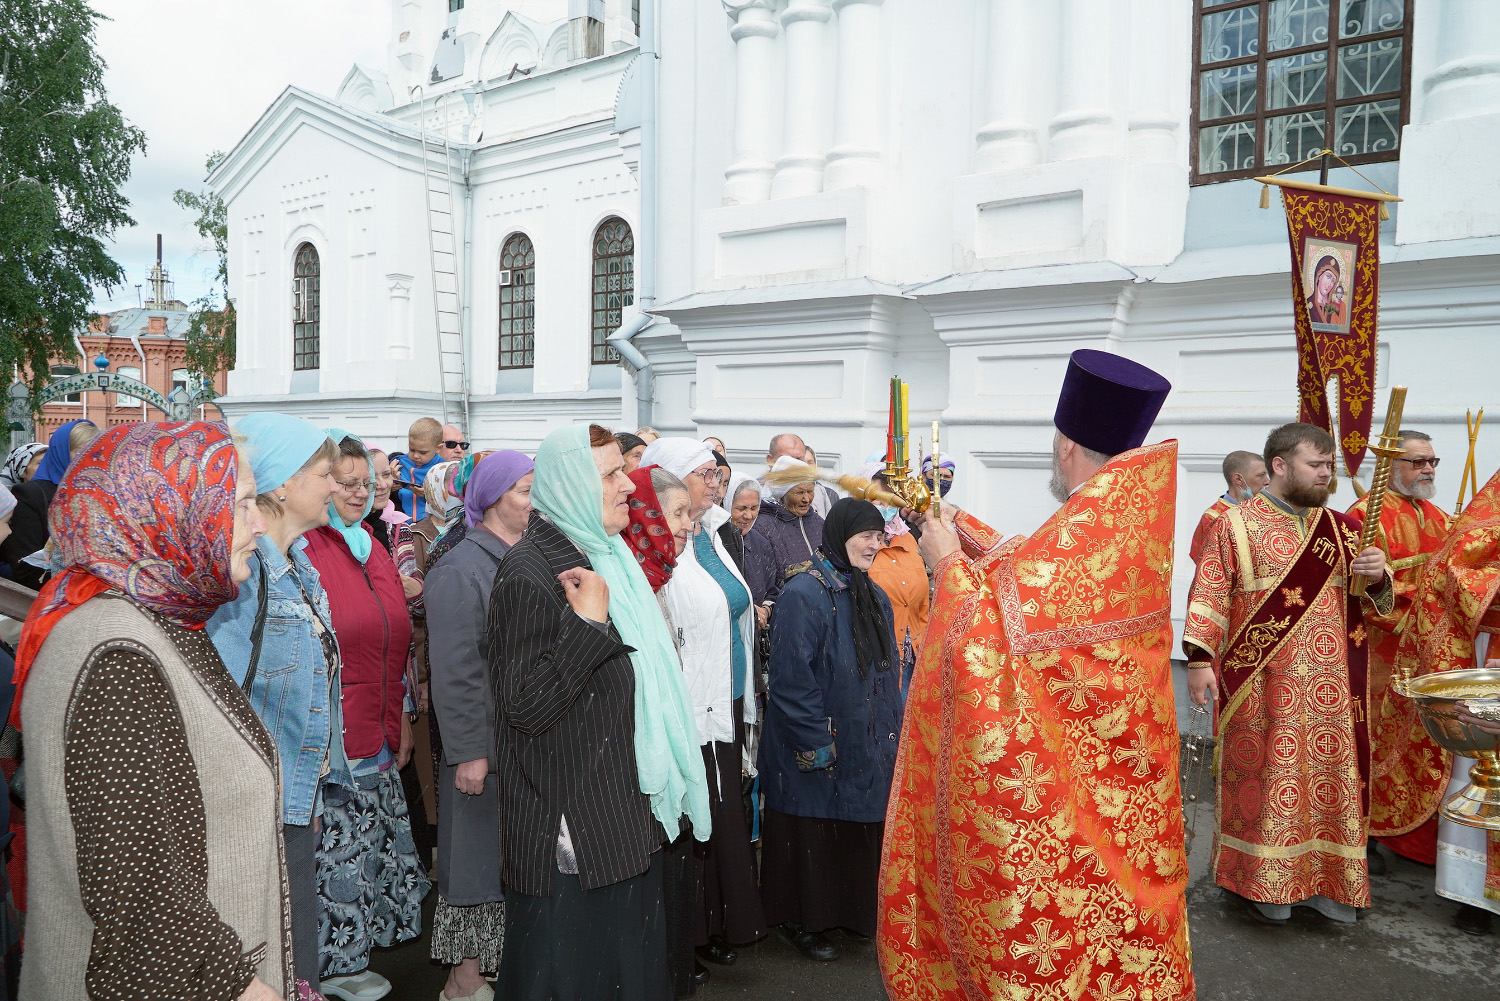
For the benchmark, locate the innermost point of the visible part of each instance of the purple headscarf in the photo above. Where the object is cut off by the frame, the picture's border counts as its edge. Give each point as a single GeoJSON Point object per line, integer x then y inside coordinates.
{"type": "Point", "coordinates": [496, 474]}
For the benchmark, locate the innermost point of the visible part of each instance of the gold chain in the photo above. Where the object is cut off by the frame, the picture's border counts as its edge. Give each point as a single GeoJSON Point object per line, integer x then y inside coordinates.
{"type": "Point", "coordinates": [1199, 744]}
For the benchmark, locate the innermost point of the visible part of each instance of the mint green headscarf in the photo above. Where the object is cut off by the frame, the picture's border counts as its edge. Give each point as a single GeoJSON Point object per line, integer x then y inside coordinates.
{"type": "Point", "coordinates": [356, 537]}
{"type": "Point", "coordinates": [568, 491]}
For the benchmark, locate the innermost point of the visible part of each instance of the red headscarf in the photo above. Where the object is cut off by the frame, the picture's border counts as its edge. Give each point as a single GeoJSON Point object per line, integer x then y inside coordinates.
{"type": "Point", "coordinates": [147, 510]}
{"type": "Point", "coordinates": [649, 536]}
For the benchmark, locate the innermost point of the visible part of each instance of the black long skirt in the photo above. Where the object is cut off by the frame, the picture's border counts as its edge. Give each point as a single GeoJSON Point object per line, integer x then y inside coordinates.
{"type": "Point", "coordinates": [728, 895]}
{"type": "Point", "coordinates": [820, 874]}
{"type": "Point", "coordinates": [608, 944]}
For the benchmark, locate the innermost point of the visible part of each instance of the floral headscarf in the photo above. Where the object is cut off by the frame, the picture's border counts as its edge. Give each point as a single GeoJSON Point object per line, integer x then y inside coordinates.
{"type": "Point", "coordinates": [148, 510]}
{"type": "Point", "coordinates": [649, 535]}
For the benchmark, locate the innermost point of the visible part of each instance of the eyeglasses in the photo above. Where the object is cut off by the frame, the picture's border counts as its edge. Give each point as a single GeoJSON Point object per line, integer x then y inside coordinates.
{"type": "Point", "coordinates": [455, 444]}
{"type": "Point", "coordinates": [1419, 463]}
{"type": "Point", "coordinates": [710, 476]}
{"type": "Point", "coordinates": [355, 486]}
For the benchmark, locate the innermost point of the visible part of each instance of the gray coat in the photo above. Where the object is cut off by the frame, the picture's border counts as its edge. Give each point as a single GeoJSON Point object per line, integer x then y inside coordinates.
{"type": "Point", "coordinates": [457, 592]}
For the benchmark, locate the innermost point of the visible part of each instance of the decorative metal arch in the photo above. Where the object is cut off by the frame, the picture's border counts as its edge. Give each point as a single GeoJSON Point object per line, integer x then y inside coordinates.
{"type": "Point", "coordinates": [19, 413]}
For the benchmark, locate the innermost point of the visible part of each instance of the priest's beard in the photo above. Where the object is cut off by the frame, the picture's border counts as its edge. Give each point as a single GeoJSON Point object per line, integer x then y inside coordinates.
{"type": "Point", "coordinates": [1303, 493]}
{"type": "Point", "coordinates": [1059, 483]}
{"type": "Point", "coordinates": [1422, 488]}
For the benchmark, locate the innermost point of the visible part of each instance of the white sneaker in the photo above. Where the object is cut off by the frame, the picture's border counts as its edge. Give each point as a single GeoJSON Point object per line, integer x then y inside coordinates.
{"type": "Point", "coordinates": [366, 986]}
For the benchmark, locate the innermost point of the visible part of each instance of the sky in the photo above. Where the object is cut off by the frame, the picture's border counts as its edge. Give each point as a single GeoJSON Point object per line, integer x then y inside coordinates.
{"type": "Point", "coordinates": [195, 75]}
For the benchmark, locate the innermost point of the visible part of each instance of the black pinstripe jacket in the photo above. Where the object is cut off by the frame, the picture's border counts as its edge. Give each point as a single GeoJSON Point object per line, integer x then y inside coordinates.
{"type": "Point", "coordinates": [565, 729]}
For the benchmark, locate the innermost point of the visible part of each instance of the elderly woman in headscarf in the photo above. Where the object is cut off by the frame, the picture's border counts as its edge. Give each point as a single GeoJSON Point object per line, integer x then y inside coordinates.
{"type": "Point", "coordinates": [938, 474]}
{"type": "Point", "coordinates": [21, 463]}
{"type": "Point", "coordinates": [469, 924]}
{"type": "Point", "coordinates": [788, 521]}
{"type": "Point", "coordinates": [28, 524]}
{"type": "Point", "coordinates": [370, 879]}
{"type": "Point", "coordinates": [833, 722]}
{"type": "Point", "coordinates": [631, 446]}
{"type": "Point", "coordinates": [711, 607]}
{"type": "Point", "coordinates": [152, 788]}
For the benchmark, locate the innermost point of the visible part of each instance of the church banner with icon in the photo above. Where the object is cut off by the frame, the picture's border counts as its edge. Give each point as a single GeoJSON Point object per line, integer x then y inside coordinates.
{"type": "Point", "coordinates": [1335, 240]}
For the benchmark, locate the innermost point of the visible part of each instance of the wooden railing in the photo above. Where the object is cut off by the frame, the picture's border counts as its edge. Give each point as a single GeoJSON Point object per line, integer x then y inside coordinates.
{"type": "Point", "coordinates": [15, 600]}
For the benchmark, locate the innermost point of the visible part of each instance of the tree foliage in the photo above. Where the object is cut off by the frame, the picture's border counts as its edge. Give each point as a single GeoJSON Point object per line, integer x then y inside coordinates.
{"type": "Point", "coordinates": [210, 333]}
{"type": "Point", "coordinates": [65, 154]}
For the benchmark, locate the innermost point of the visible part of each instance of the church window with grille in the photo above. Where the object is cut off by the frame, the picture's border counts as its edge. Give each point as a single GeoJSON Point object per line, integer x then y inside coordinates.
{"type": "Point", "coordinates": [517, 302]}
{"type": "Point", "coordinates": [307, 308]}
{"type": "Point", "coordinates": [614, 284]}
{"type": "Point", "coordinates": [1279, 80]}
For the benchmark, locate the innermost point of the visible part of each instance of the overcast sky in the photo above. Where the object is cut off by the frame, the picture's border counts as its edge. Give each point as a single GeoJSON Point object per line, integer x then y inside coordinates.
{"type": "Point", "coordinates": [195, 75]}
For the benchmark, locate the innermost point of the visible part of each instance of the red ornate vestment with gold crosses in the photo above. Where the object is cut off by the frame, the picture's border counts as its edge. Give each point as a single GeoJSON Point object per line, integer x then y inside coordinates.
{"type": "Point", "coordinates": [1408, 770]}
{"type": "Point", "coordinates": [1214, 512]}
{"type": "Point", "coordinates": [1034, 840]}
{"type": "Point", "coordinates": [1458, 597]}
{"type": "Point", "coordinates": [1270, 608]}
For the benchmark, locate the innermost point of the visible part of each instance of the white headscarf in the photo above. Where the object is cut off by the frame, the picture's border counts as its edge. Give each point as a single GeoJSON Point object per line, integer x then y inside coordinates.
{"type": "Point", "coordinates": [787, 462]}
{"type": "Point", "coordinates": [678, 456]}
{"type": "Point", "coordinates": [738, 482]}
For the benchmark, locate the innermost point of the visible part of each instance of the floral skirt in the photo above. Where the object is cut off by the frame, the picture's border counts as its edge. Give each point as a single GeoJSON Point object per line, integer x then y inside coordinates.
{"type": "Point", "coordinates": [370, 880]}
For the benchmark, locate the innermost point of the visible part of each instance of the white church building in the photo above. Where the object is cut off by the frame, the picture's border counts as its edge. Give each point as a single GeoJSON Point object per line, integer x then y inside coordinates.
{"type": "Point", "coordinates": [959, 192]}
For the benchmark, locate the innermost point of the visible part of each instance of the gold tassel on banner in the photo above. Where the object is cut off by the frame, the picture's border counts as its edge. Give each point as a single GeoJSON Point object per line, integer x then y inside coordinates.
{"type": "Point", "coordinates": [1265, 196]}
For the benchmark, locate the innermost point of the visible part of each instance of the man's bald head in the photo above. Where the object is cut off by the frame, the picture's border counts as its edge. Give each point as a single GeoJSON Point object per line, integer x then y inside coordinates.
{"type": "Point", "coordinates": [452, 453]}
{"type": "Point", "coordinates": [1245, 474]}
{"type": "Point", "coordinates": [785, 444]}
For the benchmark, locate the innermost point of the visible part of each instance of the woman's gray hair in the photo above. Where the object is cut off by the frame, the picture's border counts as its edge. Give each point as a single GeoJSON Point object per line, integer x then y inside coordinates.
{"type": "Point", "coordinates": [664, 482]}
{"type": "Point", "coordinates": [748, 483]}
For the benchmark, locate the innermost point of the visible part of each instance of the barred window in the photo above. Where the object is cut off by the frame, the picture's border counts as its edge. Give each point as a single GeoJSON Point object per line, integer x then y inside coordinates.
{"type": "Point", "coordinates": [1279, 80]}
{"type": "Point", "coordinates": [517, 302]}
{"type": "Point", "coordinates": [307, 308]}
{"type": "Point", "coordinates": [614, 284]}
{"type": "Point", "coordinates": [635, 15]}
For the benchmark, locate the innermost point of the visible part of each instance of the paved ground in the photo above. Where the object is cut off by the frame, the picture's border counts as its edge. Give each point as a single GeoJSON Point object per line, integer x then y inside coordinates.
{"type": "Point", "coordinates": [1405, 948]}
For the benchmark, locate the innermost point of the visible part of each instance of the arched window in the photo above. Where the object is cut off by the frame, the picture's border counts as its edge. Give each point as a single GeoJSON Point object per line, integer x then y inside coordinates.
{"type": "Point", "coordinates": [307, 308]}
{"type": "Point", "coordinates": [125, 399]}
{"type": "Point", "coordinates": [517, 302]}
{"type": "Point", "coordinates": [614, 284]}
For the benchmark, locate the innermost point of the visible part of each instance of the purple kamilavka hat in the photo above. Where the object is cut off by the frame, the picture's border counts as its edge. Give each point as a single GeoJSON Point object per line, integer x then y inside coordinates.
{"type": "Point", "coordinates": [1108, 402]}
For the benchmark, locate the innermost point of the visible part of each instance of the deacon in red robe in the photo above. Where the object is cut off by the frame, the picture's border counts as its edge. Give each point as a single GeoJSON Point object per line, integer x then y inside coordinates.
{"type": "Point", "coordinates": [1034, 839]}
{"type": "Point", "coordinates": [1273, 632]}
{"type": "Point", "coordinates": [1245, 476]}
{"type": "Point", "coordinates": [1408, 770]}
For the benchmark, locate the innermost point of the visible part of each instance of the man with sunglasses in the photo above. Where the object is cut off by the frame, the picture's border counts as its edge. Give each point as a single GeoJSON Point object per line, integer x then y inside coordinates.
{"type": "Point", "coordinates": [454, 447]}
{"type": "Point", "coordinates": [1408, 777]}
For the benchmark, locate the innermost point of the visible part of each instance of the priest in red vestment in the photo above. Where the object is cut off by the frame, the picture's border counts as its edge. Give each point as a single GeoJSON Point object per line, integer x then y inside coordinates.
{"type": "Point", "coordinates": [1034, 839]}
{"type": "Point", "coordinates": [1245, 476]}
{"type": "Point", "coordinates": [1408, 770]}
{"type": "Point", "coordinates": [1274, 634]}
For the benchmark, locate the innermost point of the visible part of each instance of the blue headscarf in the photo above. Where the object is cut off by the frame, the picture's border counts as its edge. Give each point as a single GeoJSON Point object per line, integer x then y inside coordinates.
{"type": "Point", "coordinates": [279, 446]}
{"type": "Point", "coordinates": [356, 536]}
{"type": "Point", "coordinates": [54, 464]}
{"type": "Point", "coordinates": [669, 765]}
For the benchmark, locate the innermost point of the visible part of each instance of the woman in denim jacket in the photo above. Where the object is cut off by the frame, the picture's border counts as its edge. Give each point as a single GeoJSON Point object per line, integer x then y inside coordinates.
{"type": "Point", "coordinates": [296, 666]}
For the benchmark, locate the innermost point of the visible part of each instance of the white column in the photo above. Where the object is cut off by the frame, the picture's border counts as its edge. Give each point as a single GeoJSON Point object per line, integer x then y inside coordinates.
{"type": "Point", "coordinates": [1155, 73]}
{"type": "Point", "coordinates": [1009, 138]}
{"type": "Point", "coordinates": [748, 178]}
{"type": "Point", "coordinates": [855, 157]}
{"type": "Point", "coordinates": [1466, 80]}
{"type": "Point", "coordinates": [1085, 125]}
{"type": "Point", "coordinates": [799, 170]}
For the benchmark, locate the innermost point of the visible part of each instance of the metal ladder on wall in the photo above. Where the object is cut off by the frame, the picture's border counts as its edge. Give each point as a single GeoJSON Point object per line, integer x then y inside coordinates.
{"type": "Point", "coordinates": [447, 292]}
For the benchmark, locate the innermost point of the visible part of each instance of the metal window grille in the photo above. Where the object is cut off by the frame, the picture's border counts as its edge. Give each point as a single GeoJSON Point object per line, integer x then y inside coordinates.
{"type": "Point", "coordinates": [614, 284]}
{"type": "Point", "coordinates": [307, 308]}
{"type": "Point", "coordinates": [518, 303]}
{"type": "Point", "coordinates": [1277, 80]}
{"type": "Point", "coordinates": [635, 15]}
{"type": "Point", "coordinates": [454, 5]}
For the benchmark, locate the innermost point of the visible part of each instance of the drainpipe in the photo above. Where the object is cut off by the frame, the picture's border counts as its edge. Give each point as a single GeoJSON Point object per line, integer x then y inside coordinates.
{"type": "Point", "coordinates": [645, 269]}
{"type": "Point", "coordinates": [83, 356]}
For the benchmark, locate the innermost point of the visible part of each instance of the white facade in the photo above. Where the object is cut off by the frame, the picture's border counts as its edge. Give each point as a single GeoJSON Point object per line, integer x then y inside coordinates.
{"type": "Point", "coordinates": [959, 192]}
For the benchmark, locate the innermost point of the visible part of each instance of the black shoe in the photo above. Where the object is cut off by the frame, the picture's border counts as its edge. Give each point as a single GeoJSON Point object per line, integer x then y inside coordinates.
{"type": "Point", "coordinates": [1378, 866]}
{"type": "Point", "coordinates": [856, 936]}
{"type": "Point", "coordinates": [1255, 912]}
{"type": "Point", "coordinates": [718, 951]}
{"type": "Point", "coordinates": [1472, 920]}
{"type": "Point", "coordinates": [813, 945]}
{"type": "Point", "coordinates": [700, 973]}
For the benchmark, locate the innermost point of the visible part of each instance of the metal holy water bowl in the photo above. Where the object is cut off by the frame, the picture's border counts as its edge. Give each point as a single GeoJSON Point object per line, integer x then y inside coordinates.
{"type": "Point", "coordinates": [1437, 697]}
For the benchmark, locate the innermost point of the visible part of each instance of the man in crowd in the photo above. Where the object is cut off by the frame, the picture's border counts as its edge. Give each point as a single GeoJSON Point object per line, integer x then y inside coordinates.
{"type": "Point", "coordinates": [1274, 633]}
{"type": "Point", "coordinates": [453, 446]}
{"type": "Point", "coordinates": [1035, 840]}
{"type": "Point", "coordinates": [1409, 768]}
{"type": "Point", "coordinates": [1245, 475]}
{"type": "Point", "coordinates": [423, 439]}
{"type": "Point", "coordinates": [597, 753]}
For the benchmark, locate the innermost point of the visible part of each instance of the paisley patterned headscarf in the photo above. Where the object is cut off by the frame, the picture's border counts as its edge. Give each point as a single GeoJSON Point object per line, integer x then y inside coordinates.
{"type": "Point", "coordinates": [649, 535]}
{"type": "Point", "coordinates": [147, 510]}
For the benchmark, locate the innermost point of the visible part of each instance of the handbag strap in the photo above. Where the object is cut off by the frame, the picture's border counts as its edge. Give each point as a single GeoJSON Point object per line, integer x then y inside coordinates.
{"type": "Point", "coordinates": [257, 631]}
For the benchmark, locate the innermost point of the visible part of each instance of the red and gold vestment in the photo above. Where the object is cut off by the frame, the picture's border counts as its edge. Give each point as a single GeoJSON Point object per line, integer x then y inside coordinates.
{"type": "Point", "coordinates": [1270, 608]}
{"type": "Point", "coordinates": [1034, 840]}
{"type": "Point", "coordinates": [1408, 770]}
{"type": "Point", "coordinates": [1205, 523]}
